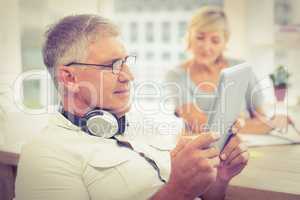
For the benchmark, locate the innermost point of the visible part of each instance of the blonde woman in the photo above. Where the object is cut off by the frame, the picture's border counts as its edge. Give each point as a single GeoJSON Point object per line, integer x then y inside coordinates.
{"type": "Point", "coordinates": [197, 78]}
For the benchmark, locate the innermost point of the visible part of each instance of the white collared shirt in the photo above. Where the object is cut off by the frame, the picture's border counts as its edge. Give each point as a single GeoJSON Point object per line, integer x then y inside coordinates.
{"type": "Point", "coordinates": [64, 162]}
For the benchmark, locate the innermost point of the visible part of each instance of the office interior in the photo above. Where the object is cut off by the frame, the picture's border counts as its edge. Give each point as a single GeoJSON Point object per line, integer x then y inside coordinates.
{"type": "Point", "coordinates": [265, 33]}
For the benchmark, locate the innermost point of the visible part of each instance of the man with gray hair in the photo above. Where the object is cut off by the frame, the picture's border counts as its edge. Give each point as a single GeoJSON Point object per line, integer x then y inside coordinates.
{"type": "Point", "coordinates": [84, 153]}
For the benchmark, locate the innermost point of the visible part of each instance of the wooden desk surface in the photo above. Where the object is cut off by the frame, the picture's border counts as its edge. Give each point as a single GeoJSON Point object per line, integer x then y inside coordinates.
{"type": "Point", "coordinates": [272, 173]}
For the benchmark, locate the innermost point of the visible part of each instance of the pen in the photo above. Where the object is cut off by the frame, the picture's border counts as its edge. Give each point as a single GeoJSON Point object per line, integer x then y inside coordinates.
{"type": "Point", "coordinates": [292, 123]}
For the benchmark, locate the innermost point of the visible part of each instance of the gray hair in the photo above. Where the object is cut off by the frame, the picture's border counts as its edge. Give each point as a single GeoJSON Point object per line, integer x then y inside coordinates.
{"type": "Point", "coordinates": [67, 40]}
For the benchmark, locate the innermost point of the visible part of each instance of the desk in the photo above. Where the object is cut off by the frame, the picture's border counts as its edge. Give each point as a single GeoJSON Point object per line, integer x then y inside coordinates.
{"type": "Point", "coordinates": [8, 169]}
{"type": "Point", "coordinates": [273, 173]}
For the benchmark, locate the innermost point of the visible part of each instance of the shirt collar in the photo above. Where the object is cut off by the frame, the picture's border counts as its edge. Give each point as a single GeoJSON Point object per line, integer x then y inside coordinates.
{"type": "Point", "coordinates": [59, 120]}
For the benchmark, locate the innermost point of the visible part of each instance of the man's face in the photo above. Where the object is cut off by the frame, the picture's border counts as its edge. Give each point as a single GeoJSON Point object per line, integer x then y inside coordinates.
{"type": "Point", "coordinates": [98, 86]}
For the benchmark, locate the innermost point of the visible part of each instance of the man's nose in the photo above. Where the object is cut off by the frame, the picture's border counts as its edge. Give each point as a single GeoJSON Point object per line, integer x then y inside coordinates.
{"type": "Point", "coordinates": [125, 74]}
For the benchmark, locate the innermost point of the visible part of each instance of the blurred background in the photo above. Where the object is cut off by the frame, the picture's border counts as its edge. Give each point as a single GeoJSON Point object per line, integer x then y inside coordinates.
{"type": "Point", "coordinates": [265, 33]}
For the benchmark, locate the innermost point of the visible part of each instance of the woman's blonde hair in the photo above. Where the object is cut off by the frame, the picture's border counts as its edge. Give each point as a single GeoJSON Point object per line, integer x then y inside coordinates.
{"type": "Point", "coordinates": [208, 19]}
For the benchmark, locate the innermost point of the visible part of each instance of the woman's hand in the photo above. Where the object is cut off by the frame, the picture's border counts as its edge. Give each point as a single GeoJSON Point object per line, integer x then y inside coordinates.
{"type": "Point", "coordinates": [238, 125]}
{"type": "Point", "coordinates": [194, 117]}
{"type": "Point", "coordinates": [279, 122]}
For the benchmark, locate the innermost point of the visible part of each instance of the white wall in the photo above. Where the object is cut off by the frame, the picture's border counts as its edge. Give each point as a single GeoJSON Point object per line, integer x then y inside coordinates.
{"type": "Point", "coordinates": [236, 13]}
{"type": "Point", "coordinates": [294, 58]}
{"type": "Point", "coordinates": [252, 31]}
{"type": "Point", "coordinates": [295, 10]}
{"type": "Point", "coordinates": [10, 56]}
{"type": "Point", "coordinates": [67, 7]}
{"type": "Point", "coordinates": [252, 36]}
{"type": "Point", "coordinates": [10, 51]}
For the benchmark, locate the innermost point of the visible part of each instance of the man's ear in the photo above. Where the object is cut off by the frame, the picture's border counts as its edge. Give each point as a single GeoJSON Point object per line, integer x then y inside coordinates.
{"type": "Point", "coordinates": [66, 77]}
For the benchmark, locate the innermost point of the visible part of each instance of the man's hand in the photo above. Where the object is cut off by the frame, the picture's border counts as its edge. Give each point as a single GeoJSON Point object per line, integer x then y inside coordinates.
{"type": "Point", "coordinates": [234, 158]}
{"type": "Point", "coordinates": [194, 165]}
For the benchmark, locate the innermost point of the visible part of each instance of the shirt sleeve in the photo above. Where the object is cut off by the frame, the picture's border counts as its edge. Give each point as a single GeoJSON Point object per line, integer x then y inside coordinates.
{"type": "Point", "coordinates": [177, 87]}
{"type": "Point", "coordinates": [47, 173]}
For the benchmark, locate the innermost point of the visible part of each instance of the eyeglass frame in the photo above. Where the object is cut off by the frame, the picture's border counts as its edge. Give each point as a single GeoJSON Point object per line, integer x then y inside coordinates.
{"type": "Point", "coordinates": [124, 60]}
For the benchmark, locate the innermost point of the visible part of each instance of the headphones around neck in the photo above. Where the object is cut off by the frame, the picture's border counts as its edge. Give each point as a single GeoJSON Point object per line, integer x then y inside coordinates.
{"type": "Point", "coordinates": [98, 122]}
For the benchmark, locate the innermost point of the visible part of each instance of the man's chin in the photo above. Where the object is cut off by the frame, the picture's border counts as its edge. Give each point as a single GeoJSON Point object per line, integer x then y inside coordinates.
{"type": "Point", "coordinates": [122, 110]}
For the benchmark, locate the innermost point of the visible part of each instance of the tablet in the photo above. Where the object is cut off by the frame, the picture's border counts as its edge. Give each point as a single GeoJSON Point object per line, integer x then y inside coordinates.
{"type": "Point", "coordinates": [231, 92]}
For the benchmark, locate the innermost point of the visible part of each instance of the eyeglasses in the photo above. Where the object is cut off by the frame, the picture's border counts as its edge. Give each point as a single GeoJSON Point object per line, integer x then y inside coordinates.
{"type": "Point", "coordinates": [116, 66]}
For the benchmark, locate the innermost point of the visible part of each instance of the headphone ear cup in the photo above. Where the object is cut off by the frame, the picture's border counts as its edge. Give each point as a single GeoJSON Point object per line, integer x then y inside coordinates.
{"type": "Point", "coordinates": [102, 123]}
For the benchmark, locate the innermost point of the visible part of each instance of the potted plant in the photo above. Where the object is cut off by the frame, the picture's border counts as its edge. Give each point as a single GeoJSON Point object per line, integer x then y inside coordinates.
{"type": "Point", "coordinates": [280, 82]}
